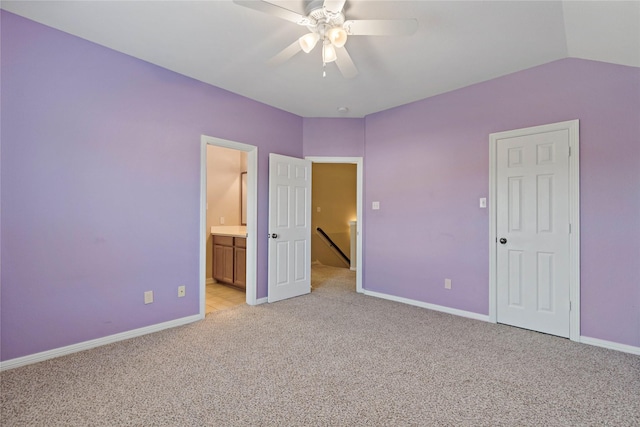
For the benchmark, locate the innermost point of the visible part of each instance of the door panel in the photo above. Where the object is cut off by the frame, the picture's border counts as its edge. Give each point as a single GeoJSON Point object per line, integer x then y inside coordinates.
{"type": "Point", "coordinates": [282, 253]}
{"type": "Point", "coordinates": [545, 281]}
{"type": "Point", "coordinates": [533, 216]}
{"type": "Point", "coordinates": [515, 203]}
{"type": "Point", "coordinates": [515, 278]}
{"type": "Point", "coordinates": [289, 227]}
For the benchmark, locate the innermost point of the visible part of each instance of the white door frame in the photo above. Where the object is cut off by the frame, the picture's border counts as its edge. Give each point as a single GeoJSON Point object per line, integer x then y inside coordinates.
{"type": "Point", "coordinates": [358, 162]}
{"type": "Point", "coordinates": [572, 127]}
{"type": "Point", "coordinates": [252, 215]}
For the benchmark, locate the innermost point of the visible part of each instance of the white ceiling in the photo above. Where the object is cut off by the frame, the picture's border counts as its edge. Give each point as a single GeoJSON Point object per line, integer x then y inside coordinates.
{"type": "Point", "coordinates": [458, 43]}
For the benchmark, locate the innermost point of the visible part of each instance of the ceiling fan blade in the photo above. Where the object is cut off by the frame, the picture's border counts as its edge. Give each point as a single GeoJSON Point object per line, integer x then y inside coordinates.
{"type": "Point", "coordinates": [285, 54]}
{"type": "Point", "coordinates": [381, 27]}
{"type": "Point", "coordinates": [272, 9]}
{"type": "Point", "coordinates": [345, 63]}
{"type": "Point", "coordinates": [334, 6]}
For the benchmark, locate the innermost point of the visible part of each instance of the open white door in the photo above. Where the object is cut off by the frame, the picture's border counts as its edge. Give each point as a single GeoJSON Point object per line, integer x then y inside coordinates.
{"type": "Point", "coordinates": [289, 227]}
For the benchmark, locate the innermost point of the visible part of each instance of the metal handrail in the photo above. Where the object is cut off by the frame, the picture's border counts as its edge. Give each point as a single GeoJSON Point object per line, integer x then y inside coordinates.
{"type": "Point", "coordinates": [332, 244]}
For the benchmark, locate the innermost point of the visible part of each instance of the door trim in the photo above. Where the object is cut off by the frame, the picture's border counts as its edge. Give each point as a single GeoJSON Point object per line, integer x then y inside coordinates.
{"type": "Point", "coordinates": [358, 162]}
{"type": "Point", "coordinates": [252, 215]}
{"type": "Point", "coordinates": [573, 127]}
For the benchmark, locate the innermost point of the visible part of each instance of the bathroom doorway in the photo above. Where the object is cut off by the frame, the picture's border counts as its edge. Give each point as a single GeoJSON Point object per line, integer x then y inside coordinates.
{"type": "Point", "coordinates": [228, 223]}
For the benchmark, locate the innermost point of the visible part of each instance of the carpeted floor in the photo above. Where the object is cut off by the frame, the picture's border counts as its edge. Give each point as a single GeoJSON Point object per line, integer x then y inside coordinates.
{"type": "Point", "coordinates": [333, 357]}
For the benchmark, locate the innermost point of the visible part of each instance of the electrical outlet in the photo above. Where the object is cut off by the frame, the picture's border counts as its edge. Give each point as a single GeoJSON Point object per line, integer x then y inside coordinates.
{"type": "Point", "coordinates": [221, 220]}
{"type": "Point", "coordinates": [181, 291]}
{"type": "Point", "coordinates": [447, 283]}
{"type": "Point", "coordinates": [148, 297]}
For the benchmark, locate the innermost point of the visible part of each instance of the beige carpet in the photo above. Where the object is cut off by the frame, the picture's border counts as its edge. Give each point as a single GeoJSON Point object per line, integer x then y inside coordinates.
{"type": "Point", "coordinates": [333, 357]}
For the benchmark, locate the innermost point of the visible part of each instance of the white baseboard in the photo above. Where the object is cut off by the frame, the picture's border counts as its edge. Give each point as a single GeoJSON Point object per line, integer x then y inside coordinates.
{"type": "Point", "coordinates": [610, 345]}
{"type": "Point", "coordinates": [449, 310]}
{"type": "Point", "coordinates": [86, 345]}
{"type": "Point", "coordinates": [74, 348]}
{"type": "Point", "coordinates": [258, 302]}
{"type": "Point", "coordinates": [584, 340]}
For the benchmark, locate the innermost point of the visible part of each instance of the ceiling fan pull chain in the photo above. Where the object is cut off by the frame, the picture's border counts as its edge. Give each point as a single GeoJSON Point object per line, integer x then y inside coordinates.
{"type": "Point", "coordinates": [324, 69]}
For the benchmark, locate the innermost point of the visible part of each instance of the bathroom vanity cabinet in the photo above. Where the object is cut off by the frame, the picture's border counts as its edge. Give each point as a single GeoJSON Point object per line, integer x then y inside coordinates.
{"type": "Point", "coordinates": [230, 260]}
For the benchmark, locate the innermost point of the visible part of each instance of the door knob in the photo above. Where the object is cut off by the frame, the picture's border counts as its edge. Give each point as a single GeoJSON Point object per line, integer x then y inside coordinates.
{"type": "Point", "coordinates": [274, 236]}
{"type": "Point", "coordinates": [503, 240]}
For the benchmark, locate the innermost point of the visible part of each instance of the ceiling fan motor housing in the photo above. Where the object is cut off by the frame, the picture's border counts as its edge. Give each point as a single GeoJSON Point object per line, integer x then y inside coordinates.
{"type": "Point", "coordinates": [321, 20]}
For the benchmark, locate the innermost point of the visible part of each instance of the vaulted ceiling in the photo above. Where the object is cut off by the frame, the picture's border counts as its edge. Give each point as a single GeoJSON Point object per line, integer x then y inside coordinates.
{"type": "Point", "coordinates": [458, 43]}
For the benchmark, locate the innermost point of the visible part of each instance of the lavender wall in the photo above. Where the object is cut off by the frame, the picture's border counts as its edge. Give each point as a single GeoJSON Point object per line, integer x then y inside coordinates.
{"type": "Point", "coordinates": [333, 137]}
{"type": "Point", "coordinates": [100, 186]}
{"type": "Point", "coordinates": [427, 164]}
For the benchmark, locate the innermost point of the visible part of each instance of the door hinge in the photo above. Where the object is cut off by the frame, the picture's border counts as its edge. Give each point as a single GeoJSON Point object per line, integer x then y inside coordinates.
{"type": "Point", "coordinates": [569, 305]}
{"type": "Point", "coordinates": [569, 151]}
{"type": "Point", "coordinates": [569, 228]}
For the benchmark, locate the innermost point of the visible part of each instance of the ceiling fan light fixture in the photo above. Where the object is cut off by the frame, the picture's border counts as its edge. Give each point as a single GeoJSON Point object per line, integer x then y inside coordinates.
{"type": "Point", "coordinates": [328, 53]}
{"type": "Point", "coordinates": [308, 41]}
{"type": "Point", "coordinates": [337, 36]}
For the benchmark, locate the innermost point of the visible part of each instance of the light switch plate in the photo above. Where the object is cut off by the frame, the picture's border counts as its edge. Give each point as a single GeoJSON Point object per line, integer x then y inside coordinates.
{"type": "Point", "coordinates": [375, 206]}
{"type": "Point", "coordinates": [483, 202]}
{"type": "Point", "coordinates": [148, 297]}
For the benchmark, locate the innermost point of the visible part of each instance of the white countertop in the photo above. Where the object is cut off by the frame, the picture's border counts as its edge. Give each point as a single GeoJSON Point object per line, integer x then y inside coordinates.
{"type": "Point", "coordinates": [230, 230]}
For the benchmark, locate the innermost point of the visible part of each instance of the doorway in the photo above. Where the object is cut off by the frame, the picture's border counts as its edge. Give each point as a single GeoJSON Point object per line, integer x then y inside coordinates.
{"type": "Point", "coordinates": [250, 181]}
{"type": "Point", "coordinates": [226, 229]}
{"type": "Point", "coordinates": [357, 226]}
{"type": "Point", "coordinates": [534, 229]}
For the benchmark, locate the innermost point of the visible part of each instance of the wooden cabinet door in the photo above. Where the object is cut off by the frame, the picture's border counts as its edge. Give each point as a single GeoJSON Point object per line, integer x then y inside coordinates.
{"type": "Point", "coordinates": [228, 264]}
{"type": "Point", "coordinates": [218, 262]}
{"type": "Point", "coordinates": [223, 263]}
{"type": "Point", "coordinates": [240, 267]}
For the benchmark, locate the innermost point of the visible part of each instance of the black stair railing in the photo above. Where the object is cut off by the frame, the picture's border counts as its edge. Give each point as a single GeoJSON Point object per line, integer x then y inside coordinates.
{"type": "Point", "coordinates": [333, 245]}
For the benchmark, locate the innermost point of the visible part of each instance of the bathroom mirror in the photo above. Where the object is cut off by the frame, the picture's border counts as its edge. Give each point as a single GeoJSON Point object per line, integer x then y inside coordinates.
{"type": "Point", "coordinates": [243, 198]}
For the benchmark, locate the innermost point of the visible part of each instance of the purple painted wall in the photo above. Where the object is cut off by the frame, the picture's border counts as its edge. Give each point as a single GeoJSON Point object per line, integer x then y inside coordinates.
{"type": "Point", "coordinates": [427, 164]}
{"type": "Point", "coordinates": [333, 137]}
{"type": "Point", "coordinates": [100, 186]}
{"type": "Point", "coordinates": [101, 182]}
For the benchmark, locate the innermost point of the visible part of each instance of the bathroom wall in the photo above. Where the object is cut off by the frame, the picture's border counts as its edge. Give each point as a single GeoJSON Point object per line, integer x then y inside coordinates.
{"type": "Point", "coordinates": [224, 166]}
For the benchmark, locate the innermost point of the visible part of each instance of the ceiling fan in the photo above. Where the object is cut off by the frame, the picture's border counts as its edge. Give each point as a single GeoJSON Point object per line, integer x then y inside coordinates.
{"type": "Point", "coordinates": [326, 22]}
